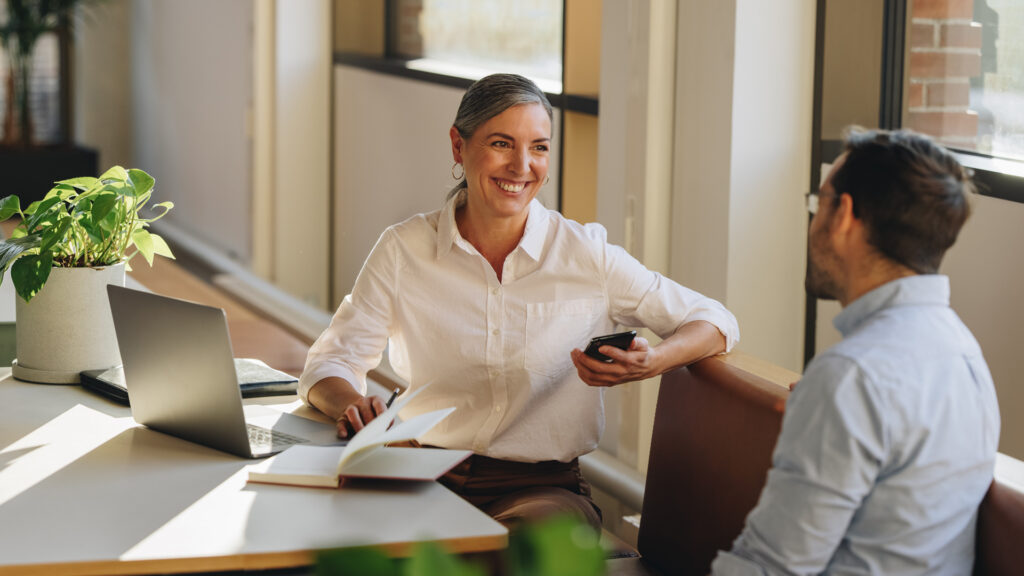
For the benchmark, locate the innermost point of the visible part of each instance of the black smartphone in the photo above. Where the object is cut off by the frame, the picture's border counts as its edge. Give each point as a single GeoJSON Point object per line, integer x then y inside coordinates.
{"type": "Point", "coordinates": [621, 340]}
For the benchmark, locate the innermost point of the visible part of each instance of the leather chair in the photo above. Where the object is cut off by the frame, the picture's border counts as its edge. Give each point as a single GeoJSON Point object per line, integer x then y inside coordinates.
{"type": "Point", "coordinates": [1000, 547]}
{"type": "Point", "coordinates": [715, 428]}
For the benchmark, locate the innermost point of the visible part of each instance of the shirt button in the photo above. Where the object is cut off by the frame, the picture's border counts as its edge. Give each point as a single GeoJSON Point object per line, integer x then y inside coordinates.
{"type": "Point", "coordinates": [497, 408]}
{"type": "Point", "coordinates": [496, 332]}
{"type": "Point", "coordinates": [496, 291]}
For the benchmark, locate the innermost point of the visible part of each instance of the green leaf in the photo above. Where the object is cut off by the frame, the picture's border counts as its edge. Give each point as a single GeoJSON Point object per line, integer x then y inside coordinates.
{"type": "Point", "coordinates": [429, 559]}
{"type": "Point", "coordinates": [55, 234]}
{"type": "Point", "coordinates": [160, 247]}
{"type": "Point", "coordinates": [142, 181]}
{"type": "Point", "coordinates": [116, 173]}
{"type": "Point", "coordinates": [143, 240]}
{"type": "Point", "coordinates": [83, 183]}
{"type": "Point", "coordinates": [30, 273]}
{"type": "Point", "coordinates": [102, 205]}
{"type": "Point", "coordinates": [561, 545]}
{"type": "Point", "coordinates": [8, 206]}
{"type": "Point", "coordinates": [356, 561]}
{"type": "Point", "coordinates": [13, 247]}
{"type": "Point", "coordinates": [44, 212]}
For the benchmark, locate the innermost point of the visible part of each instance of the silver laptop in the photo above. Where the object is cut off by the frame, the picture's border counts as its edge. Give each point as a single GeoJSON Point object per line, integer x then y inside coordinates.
{"type": "Point", "coordinates": [180, 372]}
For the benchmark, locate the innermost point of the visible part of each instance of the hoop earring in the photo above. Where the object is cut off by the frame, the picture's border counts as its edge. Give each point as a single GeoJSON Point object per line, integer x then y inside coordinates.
{"type": "Point", "coordinates": [460, 176]}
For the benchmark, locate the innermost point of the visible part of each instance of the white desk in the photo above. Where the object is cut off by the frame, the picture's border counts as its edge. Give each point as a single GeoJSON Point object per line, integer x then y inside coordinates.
{"type": "Point", "coordinates": [85, 490]}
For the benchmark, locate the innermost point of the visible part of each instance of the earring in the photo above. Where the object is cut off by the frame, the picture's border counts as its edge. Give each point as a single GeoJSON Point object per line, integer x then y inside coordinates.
{"type": "Point", "coordinates": [546, 180]}
{"type": "Point", "coordinates": [460, 176]}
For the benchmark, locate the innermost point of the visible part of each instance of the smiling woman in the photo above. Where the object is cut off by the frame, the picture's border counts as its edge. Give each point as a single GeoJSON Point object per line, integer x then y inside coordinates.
{"type": "Point", "coordinates": [503, 145]}
{"type": "Point", "coordinates": [488, 301]}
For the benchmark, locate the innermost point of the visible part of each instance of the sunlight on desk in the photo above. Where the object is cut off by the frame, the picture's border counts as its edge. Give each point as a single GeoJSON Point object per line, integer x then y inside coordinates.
{"type": "Point", "coordinates": [85, 490]}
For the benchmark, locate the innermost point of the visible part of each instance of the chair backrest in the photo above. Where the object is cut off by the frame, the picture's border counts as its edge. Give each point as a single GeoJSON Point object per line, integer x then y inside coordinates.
{"type": "Point", "coordinates": [715, 428]}
{"type": "Point", "coordinates": [1000, 547]}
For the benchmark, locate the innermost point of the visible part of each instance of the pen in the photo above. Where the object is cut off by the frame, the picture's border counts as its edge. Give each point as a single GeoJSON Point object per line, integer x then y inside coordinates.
{"type": "Point", "coordinates": [392, 399]}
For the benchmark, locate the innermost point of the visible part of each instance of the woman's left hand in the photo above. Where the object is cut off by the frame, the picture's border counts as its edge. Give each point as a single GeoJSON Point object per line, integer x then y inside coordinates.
{"type": "Point", "coordinates": [636, 363]}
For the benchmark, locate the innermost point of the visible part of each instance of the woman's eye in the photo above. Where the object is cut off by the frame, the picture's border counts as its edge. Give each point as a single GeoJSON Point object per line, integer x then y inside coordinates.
{"type": "Point", "coordinates": [500, 144]}
{"type": "Point", "coordinates": [541, 147]}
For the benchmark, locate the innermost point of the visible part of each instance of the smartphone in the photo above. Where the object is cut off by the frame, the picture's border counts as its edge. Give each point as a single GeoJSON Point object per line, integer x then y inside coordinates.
{"type": "Point", "coordinates": [622, 340]}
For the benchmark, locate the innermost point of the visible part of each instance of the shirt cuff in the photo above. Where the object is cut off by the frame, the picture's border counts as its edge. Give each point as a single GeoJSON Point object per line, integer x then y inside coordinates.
{"type": "Point", "coordinates": [726, 324]}
{"type": "Point", "coordinates": [313, 375]}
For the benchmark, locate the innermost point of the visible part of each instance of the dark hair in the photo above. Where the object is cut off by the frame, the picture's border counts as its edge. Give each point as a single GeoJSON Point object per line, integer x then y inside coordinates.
{"type": "Point", "coordinates": [490, 96]}
{"type": "Point", "coordinates": [910, 192]}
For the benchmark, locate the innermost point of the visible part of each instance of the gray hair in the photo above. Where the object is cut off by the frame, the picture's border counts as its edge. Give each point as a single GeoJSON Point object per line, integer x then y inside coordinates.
{"type": "Point", "coordinates": [490, 96]}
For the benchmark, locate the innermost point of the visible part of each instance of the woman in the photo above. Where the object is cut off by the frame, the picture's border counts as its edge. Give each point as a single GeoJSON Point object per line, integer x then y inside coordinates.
{"type": "Point", "coordinates": [489, 301]}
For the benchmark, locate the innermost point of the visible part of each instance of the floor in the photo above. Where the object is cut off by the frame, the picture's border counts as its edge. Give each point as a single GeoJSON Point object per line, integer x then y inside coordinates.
{"type": "Point", "coordinates": [252, 334]}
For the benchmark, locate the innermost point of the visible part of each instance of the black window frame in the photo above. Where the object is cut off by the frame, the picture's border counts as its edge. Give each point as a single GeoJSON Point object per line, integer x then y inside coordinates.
{"type": "Point", "coordinates": [994, 176]}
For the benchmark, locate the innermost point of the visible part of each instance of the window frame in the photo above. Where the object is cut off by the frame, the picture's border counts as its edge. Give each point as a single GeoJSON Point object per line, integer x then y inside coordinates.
{"type": "Point", "coordinates": [995, 177]}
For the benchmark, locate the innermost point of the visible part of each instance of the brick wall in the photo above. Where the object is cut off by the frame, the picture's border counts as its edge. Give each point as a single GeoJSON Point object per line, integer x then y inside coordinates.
{"type": "Point", "coordinates": [945, 52]}
{"type": "Point", "coordinates": [407, 39]}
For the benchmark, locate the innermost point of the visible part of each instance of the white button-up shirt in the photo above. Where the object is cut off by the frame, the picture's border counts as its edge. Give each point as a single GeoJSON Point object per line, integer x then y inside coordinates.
{"type": "Point", "coordinates": [499, 350]}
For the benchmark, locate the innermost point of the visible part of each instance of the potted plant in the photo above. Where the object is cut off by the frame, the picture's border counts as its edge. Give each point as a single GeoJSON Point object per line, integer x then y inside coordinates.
{"type": "Point", "coordinates": [66, 249]}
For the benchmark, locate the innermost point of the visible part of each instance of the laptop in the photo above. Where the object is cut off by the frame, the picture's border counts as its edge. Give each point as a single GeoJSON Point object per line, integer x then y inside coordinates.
{"type": "Point", "coordinates": [180, 371]}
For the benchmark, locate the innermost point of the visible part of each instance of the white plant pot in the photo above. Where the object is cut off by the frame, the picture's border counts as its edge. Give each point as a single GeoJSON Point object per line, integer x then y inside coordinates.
{"type": "Point", "coordinates": [67, 327]}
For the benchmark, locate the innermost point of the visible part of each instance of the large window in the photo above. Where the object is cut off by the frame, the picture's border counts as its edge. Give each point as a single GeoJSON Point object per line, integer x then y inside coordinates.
{"type": "Point", "coordinates": [474, 37]}
{"type": "Point", "coordinates": [964, 77]}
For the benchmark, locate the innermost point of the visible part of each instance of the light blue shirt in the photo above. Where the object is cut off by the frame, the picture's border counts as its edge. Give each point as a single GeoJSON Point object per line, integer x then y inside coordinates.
{"type": "Point", "coordinates": [887, 447]}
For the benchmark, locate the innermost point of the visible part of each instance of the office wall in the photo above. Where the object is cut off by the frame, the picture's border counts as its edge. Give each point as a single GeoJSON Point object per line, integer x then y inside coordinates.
{"type": "Point", "coordinates": [986, 281]}
{"type": "Point", "coordinates": [744, 103]}
{"type": "Point", "coordinates": [392, 159]}
{"type": "Point", "coordinates": [191, 86]}
{"type": "Point", "coordinates": [103, 108]}
{"type": "Point", "coordinates": [302, 150]}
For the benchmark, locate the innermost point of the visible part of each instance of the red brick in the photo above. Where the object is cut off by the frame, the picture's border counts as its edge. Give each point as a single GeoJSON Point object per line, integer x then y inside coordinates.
{"type": "Point", "coordinates": [960, 35]}
{"type": "Point", "coordinates": [942, 124]}
{"type": "Point", "coordinates": [940, 9]}
{"type": "Point", "coordinates": [915, 96]}
{"type": "Point", "coordinates": [949, 94]}
{"type": "Point", "coordinates": [922, 35]}
{"type": "Point", "coordinates": [944, 64]}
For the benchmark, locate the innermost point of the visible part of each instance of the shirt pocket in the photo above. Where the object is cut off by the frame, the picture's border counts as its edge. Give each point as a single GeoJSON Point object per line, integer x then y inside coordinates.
{"type": "Point", "coordinates": [553, 329]}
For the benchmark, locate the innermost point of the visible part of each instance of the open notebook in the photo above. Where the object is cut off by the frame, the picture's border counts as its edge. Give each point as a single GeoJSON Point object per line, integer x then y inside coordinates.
{"type": "Point", "coordinates": [366, 455]}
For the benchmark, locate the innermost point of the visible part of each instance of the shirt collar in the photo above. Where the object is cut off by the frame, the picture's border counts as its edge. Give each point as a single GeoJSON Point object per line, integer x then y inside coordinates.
{"type": "Point", "coordinates": [923, 289]}
{"type": "Point", "coordinates": [532, 242]}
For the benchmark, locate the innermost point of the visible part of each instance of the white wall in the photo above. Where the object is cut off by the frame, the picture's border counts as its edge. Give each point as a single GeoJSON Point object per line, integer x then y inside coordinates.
{"type": "Point", "coordinates": [103, 109]}
{"type": "Point", "coordinates": [743, 113]}
{"type": "Point", "coordinates": [191, 85]}
{"type": "Point", "coordinates": [302, 149]}
{"type": "Point", "coordinates": [392, 159]}
{"type": "Point", "coordinates": [986, 281]}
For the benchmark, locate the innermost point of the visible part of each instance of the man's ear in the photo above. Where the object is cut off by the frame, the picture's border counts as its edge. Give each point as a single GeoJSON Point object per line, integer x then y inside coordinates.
{"type": "Point", "coordinates": [845, 226]}
{"type": "Point", "coordinates": [457, 143]}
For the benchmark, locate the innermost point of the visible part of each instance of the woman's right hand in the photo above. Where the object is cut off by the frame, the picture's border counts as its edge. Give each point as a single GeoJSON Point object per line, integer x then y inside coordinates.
{"type": "Point", "coordinates": [359, 414]}
{"type": "Point", "coordinates": [341, 402]}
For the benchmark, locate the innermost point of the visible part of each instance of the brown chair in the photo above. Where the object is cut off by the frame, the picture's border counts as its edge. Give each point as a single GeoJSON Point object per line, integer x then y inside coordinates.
{"type": "Point", "coordinates": [715, 428]}
{"type": "Point", "coordinates": [1000, 548]}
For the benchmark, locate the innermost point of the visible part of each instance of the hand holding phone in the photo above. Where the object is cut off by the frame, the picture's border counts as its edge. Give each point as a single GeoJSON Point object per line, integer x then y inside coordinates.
{"type": "Point", "coordinates": [620, 340]}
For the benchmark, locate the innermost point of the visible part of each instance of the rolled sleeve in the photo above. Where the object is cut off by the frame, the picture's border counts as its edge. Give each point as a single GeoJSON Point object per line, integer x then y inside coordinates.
{"type": "Point", "coordinates": [641, 297]}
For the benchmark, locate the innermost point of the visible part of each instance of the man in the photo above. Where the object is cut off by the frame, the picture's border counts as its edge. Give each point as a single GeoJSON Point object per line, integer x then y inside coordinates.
{"type": "Point", "coordinates": [888, 442]}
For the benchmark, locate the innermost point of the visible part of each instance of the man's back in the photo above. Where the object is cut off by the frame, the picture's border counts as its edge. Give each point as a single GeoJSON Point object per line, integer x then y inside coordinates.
{"type": "Point", "coordinates": [887, 446]}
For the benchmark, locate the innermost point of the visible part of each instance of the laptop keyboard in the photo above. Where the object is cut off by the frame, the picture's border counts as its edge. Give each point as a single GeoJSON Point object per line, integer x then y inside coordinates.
{"type": "Point", "coordinates": [265, 439]}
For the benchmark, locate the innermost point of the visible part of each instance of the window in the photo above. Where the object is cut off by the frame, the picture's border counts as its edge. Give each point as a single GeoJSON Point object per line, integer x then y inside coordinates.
{"type": "Point", "coordinates": [472, 38]}
{"type": "Point", "coordinates": [964, 80]}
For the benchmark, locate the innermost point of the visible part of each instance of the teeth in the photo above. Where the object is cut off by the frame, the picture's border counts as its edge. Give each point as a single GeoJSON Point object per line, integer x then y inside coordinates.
{"type": "Point", "coordinates": [511, 187]}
